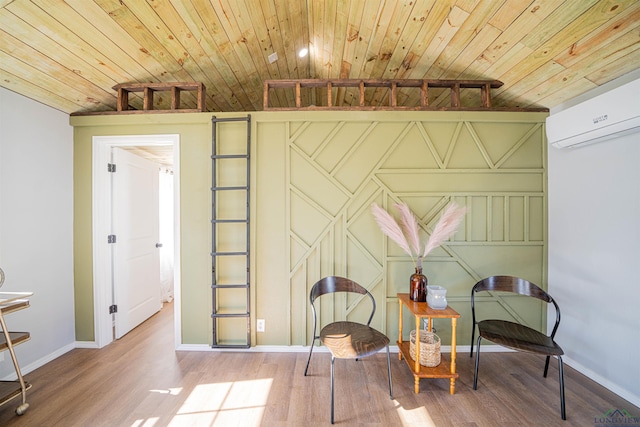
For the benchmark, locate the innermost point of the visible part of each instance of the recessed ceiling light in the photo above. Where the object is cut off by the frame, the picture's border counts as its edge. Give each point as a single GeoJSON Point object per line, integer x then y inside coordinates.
{"type": "Point", "coordinates": [273, 58]}
{"type": "Point", "coordinates": [303, 52]}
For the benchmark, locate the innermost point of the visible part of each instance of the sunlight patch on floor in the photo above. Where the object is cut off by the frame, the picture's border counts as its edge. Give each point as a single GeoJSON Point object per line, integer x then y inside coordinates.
{"type": "Point", "coordinates": [224, 404]}
{"type": "Point", "coordinates": [149, 422]}
{"type": "Point", "coordinates": [171, 391]}
{"type": "Point", "coordinates": [415, 417]}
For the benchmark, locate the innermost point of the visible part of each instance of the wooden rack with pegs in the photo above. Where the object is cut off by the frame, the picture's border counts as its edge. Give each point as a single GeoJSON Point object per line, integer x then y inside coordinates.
{"type": "Point", "coordinates": [148, 91]}
{"type": "Point", "coordinates": [393, 85]}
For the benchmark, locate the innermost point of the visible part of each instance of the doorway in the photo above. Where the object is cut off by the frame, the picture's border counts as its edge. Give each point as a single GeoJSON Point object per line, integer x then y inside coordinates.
{"type": "Point", "coordinates": [103, 271]}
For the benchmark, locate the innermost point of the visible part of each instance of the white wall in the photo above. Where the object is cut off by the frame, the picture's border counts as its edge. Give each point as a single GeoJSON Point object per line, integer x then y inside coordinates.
{"type": "Point", "coordinates": [594, 259]}
{"type": "Point", "coordinates": [36, 226]}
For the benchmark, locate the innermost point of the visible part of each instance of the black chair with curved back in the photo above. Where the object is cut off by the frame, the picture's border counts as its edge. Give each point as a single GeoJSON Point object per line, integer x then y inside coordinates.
{"type": "Point", "coordinates": [513, 335]}
{"type": "Point", "coordinates": [346, 339]}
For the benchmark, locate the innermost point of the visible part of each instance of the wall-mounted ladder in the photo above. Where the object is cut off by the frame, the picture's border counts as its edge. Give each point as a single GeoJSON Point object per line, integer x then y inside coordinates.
{"type": "Point", "coordinates": [230, 213]}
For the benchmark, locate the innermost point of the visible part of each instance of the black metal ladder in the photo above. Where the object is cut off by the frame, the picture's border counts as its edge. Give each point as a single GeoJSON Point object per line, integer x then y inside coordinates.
{"type": "Point", "coordinates": [230, 264]}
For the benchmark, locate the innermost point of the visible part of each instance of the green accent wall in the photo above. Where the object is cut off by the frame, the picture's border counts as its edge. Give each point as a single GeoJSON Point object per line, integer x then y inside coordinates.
{"type": "Point", "coordinates": [195, 181]}
{"type": "Point", "coordinates": [314, 177]}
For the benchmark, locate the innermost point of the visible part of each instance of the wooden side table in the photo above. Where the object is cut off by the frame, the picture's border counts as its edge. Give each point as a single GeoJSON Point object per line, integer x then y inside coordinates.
{"type": "Point", "coordinates": [446, 369]}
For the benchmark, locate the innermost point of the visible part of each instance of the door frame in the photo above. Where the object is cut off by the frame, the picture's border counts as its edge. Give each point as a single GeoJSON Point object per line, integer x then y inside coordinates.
{"type": "Point", "coordinates": [101, 228]}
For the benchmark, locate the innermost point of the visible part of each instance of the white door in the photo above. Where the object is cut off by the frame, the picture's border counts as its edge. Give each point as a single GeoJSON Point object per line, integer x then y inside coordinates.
{"type": "Point", "coordinates": [136, 262]}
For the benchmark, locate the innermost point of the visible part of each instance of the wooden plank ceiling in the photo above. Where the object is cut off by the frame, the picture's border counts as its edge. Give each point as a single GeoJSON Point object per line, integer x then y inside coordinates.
{"type": "Point", "coordinates": [69, 54]}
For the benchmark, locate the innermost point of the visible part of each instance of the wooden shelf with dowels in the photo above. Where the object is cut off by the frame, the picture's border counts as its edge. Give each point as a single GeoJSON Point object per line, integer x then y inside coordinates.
{"type": "Point", "coordinates": [325, 91]}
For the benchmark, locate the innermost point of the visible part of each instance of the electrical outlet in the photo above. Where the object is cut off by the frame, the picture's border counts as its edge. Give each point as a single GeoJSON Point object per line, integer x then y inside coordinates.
{"type": "Point", "coordinates": [260, 325]}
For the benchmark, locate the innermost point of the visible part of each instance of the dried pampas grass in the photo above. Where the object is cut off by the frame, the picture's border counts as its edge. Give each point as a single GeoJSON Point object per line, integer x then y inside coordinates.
{"type": "Point", "coordinates": [390, 227]}
{"type": "Point", "coordinates": [409, 226]}
{"type": "Point", "coordinates": [446, 227]}
{"type": "Point", "coordinates": [407, 236]}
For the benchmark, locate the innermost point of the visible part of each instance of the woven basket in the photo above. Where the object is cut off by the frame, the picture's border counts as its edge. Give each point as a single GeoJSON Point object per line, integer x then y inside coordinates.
{"type": "Point", "coordinates": [429, 348]}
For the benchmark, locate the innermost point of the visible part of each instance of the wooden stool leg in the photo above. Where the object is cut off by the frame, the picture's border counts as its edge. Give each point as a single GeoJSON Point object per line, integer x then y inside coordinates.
{"type": "Point", "coordinates": [452, 387]}
{"type": "Point", "coordinates": [399, 320]}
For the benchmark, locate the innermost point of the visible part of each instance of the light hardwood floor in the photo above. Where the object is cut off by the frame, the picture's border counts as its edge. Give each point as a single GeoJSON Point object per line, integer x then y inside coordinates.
{"type": "Point", "coordinates": [141, 381]}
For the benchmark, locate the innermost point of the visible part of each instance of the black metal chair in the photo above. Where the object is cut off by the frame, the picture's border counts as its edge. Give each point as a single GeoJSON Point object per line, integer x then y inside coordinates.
{"type": "Point", "coordinates": [515, 335]}
{"type": "Point", "coordinates": [345, 339]}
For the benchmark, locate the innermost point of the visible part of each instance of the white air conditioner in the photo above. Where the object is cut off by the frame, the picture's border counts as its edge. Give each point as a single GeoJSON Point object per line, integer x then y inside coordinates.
{"type": "Point", "coordinates": [610, 115]}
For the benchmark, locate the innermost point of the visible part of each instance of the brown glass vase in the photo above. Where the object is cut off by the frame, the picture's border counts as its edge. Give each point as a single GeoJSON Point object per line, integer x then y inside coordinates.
{"type": "Point", "coordinates": [418, 282]}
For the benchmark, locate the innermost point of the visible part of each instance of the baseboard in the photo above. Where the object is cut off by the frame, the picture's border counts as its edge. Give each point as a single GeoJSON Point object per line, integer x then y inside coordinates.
{"type": "Point", "coordinates": [24, 370]}
{"type": "Point", "coordinates": [321, 349]}
{"type": "Point", "coordinates": [614, 388]}
{"type": "Point", "coordinates": [86, 344]}
{"type": "Point", "coordinates": [258, 348]}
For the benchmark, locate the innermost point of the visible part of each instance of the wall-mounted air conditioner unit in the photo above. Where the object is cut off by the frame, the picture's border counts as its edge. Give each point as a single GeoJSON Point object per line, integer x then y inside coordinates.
{"type": "Point", "coordinates": [610, 115]}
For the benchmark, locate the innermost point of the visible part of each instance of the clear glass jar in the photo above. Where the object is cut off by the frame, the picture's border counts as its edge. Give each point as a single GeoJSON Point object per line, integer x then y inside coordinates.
{"type": "Point", "coordinates": [437, 297]}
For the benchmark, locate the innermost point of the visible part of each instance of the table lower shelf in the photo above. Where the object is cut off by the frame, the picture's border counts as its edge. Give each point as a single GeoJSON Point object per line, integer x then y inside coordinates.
{"type": "Point", "coordinates": [16, 338]}
{"type": "Point", "coordinates": [443, 370]}
{"type": "Point", "coordinates": [10, 390]}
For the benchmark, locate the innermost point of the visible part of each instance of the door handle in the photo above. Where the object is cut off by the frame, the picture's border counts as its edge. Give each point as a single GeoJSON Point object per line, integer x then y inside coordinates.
{"type": "Point", "coordinates": [158, 245]}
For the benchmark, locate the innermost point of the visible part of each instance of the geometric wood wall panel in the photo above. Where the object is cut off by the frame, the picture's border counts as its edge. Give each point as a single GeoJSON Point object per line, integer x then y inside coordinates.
{"type": "Point", "coordinates": [337, 169]}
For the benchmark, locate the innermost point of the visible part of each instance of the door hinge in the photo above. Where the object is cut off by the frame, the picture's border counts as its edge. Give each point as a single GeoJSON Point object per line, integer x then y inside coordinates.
{"type": "Point", "coordinates": [113, 309]}
{"type": "Point", "coordinates": [111, 167]}
{"type": "Point", "coordinates": [111, 238]}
